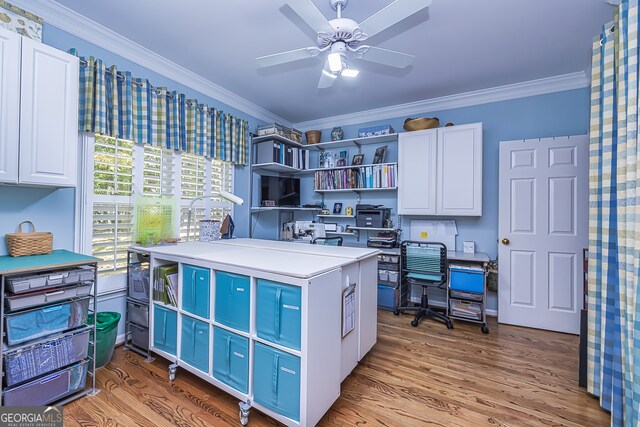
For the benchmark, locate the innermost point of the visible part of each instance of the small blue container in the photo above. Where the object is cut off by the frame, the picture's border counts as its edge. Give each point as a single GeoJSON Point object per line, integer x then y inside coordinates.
{"type": "Point", "coordinates": [466, 280]}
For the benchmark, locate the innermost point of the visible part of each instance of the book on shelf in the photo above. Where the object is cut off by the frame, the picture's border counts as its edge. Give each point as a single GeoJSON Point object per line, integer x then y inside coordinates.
{"type": "Point", "coordinates": [165, 284]}
{"type": "Point", "coordinates": [277, 152]}
{"type": "Point", "coordinates": [372, 176]}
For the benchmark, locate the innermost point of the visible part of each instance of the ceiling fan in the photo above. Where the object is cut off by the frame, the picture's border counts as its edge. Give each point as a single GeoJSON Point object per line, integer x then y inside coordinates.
{"type": "Point", "coordinates": [343, 38]}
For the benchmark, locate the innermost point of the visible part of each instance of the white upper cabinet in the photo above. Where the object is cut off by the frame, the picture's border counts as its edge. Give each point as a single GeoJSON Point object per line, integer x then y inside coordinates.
{"type": "Point", "coordinates": [9, 105]}
{"type": "Point", "coordinates": [440, 171]}
{"type": "Point", "coordinates": [417, 172]}
{"type": "Point", "coordinates": [48, 116]}
{"type": "Point", "coordinates": [38, 113]}
{"type": "Point", "coordinates": [459, 180]}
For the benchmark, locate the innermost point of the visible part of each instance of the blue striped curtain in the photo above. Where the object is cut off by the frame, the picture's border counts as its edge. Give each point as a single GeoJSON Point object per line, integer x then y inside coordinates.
{"type": "Point", "coordinates": [614, 220]}
{"type": "Point", "coordinates": [116, 104]}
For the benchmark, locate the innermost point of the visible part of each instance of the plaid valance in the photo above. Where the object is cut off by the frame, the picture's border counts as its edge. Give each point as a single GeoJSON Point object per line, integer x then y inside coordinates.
{"type": "Point", "coordinates": [116, 104]}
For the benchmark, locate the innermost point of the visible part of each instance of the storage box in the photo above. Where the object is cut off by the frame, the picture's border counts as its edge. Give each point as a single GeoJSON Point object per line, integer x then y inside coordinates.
{"type": "Point", "coordinates": [468, 279]}
{"type": "Point", "coordinates": [268, 152]}
{"type": "Point", "coordinates": [272, 129]}
{"type": "Point", "coordinates": [383, 275]}
{"type": "Point", "coordinates": [40, 359]}
{"type": "Point", "coordinates": [138, 313]}
{"type": "Point", "coordinates": [467, 309]}
{"type": "Point", "coordinates": [20, 301]}
{"type": "Point", "coordinates": [393, 277]}
{"type": "Point", "coordinates": [466, 295]}
{"type": "Point", "coordinates": [31, 324]}
{"type": "Point", "coordinates": [139, 283]}
{"type": "Point", "coordinates": [375, 131]}
{"type": "Point", "coordinates": [139, 336]}
{"type": "Point", "coordinates": [386, 297]}
{"type": "Point", "coordinates": [48, 389]}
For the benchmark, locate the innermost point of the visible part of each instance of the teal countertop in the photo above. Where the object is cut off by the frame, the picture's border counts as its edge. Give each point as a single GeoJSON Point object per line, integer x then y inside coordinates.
{"type": "Point", "coordinates": [59, 258]}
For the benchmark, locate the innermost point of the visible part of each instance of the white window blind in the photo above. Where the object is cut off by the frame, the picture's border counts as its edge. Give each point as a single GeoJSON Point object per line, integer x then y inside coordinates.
{"type": "Point", "coordinates": [117, 170]}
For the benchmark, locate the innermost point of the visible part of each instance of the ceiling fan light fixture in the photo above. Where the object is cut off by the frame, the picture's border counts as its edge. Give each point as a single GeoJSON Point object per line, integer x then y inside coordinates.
{"type": "Point", "coordinates": [335, 62]}
{"type": "Point", "coordinates": [350, 72]}
{"type": "Point", "coordinates": [328, 74]}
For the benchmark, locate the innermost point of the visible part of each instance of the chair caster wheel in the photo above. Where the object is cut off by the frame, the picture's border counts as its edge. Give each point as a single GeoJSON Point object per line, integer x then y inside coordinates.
{"type": "Point", "coordinates": [244, 412]}
{"type": "Point", "coordinates": [484, 329]}
{"type": "Point", "coordinates": [414, 323]}
{"type": "Point", "coordinates": [396, 312]}
{"type": "Point", "coordinates": [449, 325]}
{"type": "Point", "coordinates": [172, 372]}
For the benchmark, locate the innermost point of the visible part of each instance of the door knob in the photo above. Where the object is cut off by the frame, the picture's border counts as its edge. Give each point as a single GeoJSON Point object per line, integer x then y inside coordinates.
{"type": "Point", "coordinates": [505, 241]}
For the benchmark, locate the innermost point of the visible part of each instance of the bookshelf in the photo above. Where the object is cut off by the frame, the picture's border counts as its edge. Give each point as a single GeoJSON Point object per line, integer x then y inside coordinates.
{"type": "Point", "coordinates": [353, 142]}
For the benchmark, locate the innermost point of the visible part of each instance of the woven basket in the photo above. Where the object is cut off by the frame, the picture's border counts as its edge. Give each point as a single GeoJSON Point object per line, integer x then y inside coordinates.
{"type": "Point", "coordinates": [33, 243]}
{"type": "Point", "coordinates": [313, 136]}
{"type": "Point", "coordinates": [421, 123]}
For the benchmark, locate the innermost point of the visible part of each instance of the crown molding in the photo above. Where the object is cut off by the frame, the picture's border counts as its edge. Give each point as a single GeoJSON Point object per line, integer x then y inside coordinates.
{"type": "Point", "coordinates": [80, 26]}
{"type": "Point", "coordinates": [484, 96]}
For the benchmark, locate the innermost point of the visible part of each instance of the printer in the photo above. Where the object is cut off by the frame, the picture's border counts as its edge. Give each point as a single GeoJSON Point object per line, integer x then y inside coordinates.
{"type": "Point", "coordinates": [373, 216]}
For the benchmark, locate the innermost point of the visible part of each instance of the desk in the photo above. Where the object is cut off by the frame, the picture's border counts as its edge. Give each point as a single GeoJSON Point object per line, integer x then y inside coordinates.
{"type": "Point", "coordinates": [316, 274]}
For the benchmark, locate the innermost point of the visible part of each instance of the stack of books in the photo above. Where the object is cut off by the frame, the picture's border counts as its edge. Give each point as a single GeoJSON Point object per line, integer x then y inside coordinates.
{"type": "Point", "coordinates": [165, 284]}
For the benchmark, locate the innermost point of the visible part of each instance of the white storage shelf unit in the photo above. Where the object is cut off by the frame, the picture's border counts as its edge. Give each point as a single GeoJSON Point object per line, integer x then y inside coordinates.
{"type": "Point", "coordinates": [317, 320]}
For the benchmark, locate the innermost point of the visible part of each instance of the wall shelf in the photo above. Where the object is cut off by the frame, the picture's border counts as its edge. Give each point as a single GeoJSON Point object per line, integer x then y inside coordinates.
{"type": "Point", "coordinates": [353, 142]}
{"type": "Point", "coordinates": [281, 208]}
{"type": "Point", "coordinates": [349, 167]}
{"type": "Point", "coordinates": [356, 190]}
{"type": "Point", "coordinates": [257, 139]}
{"type": "Point", "coordinates": [339, 233]}
{"type": "Point", "coordinates": [336, 216]}
{"type": "Point", "coordinates": [280, 168]}
{"type": "Point", "coordinates": [373, 229]}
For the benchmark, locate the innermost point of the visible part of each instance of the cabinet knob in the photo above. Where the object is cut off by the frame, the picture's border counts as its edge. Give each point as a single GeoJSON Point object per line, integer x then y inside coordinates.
{"type": "Point", "coordinates": [505, 241]}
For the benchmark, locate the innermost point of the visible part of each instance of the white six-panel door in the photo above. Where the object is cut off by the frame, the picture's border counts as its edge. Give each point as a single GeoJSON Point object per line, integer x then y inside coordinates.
{"type": "Point", "coordinates": [543, 226]}
{"type": "Point", "coordinates": [9, 105]}
{"type": "Point", "coordinates": [49, 116]}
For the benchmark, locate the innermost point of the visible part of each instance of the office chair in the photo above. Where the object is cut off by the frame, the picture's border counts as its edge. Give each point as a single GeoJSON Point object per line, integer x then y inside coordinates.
{"type": "Point", "coordinates": [329, 241]}
{"type": "Point", "coordinates": [424, 264]}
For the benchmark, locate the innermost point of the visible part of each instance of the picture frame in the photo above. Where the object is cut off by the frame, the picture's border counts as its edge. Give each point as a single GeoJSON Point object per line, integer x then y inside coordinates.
{"type": "Point", "coordinates": [344, 154]}
{"type": "Point", "coordinates": [337, 208]}
{"type": "Point", "coordinates": [358, 159]}
{"type": "Point", "coordinates": [380, 154]}
{"type": "Point", "coordinates": [341, 162]}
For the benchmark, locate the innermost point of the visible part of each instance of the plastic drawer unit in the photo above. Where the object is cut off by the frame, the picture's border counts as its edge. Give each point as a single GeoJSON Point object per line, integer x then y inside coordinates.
{"type": "Point", "coordinates": [50, 388]}
{"type": "Point", "coordinates": [466, 279]}
{"type": "Point", "coordinates": [39, 359]}
{"type": "Point", "coordinates": [194, 348]}
{"type": "Point", "coordinates": [139, 336]}
{"type": "Point", "coordinates": [32, 299]}
{"type": "Point", "coordinates": [139, 283]}
{"type": "Point", "coordinates": [31, 324]}
{"type": "Point", "coordinates": [165, 330]}
{"type": "Point", "coordinates": [138, 313]}
{"type": "Point", "coordinates": [276, 380]}
{"type": "Point", "coordinates": [232, 300]}
{"type": "Point", "coordinates": [278, 317]}
{"type": "Point", "coordinates": [468, 309]}
{"type": "Point", "coordinates": [195, 290]}
{"type": "Point", "coordinates": [42, 281]}
{"type": "Point", "coordinates": [231, 359]}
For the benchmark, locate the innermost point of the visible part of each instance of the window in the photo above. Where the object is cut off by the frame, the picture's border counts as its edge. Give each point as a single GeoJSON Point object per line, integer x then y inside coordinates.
{"type": "Point", "coordinates": [117, 170]}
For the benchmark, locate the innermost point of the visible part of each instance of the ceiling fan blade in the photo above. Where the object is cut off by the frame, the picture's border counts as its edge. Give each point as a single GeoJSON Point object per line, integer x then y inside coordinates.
{"type": "Point", "coordinates": [392, 14]}
{"type": "Point", "coordinates": [327, 79]}
{"type": "Point", "coordinates": [311, 15]}
{"type": "Point", "coordinates": [386, 57]}
{"type": "Point", "coordinates": [284, 57]}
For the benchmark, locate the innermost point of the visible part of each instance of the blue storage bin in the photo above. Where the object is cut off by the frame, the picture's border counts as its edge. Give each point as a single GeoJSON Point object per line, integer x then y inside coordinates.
{"type": "Point", "coordinates": [231, 359]}
{"type": "Point", "coordinates": [276, 380]}
{"type": "Point", "coordinates": [468, 280]}
{"type": "Point", "coordinates": [232, 304]}
{"type": "Point", "coordinates": [165, 329]}
{"type": "Point", "coordinates": [278, 315]}
{"type": "Point", "coordinates": [194, 347]}
{"type": "Point", "coordinates": [386, 297]}
{"type": "Point", "coordinates": [195, 290]}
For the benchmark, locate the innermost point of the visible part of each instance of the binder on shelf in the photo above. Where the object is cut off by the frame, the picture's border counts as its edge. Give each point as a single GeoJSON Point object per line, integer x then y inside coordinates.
{"type": "Point", "coordinates": [164, 288]}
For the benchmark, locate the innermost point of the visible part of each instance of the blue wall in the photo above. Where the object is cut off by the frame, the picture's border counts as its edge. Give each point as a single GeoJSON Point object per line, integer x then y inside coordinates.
{"type": "Point", "coordinates": [557, 114]}
{"type": "Point", "coordinates": [53, 210]}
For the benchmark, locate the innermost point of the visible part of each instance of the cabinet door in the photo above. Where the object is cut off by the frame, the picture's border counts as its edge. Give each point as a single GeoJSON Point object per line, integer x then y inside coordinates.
{"type": "Point", "coordinates": [232, 300]}
{"type": "Point", "coordinates": [194, 348]}
{"type": "Point", "coordinates": [460, 170]}
{"type": "Point", "coordinates": [48, 116]}
{"type": "Point", "coordinates": [195, 290]}
{"type": "Point", "coordinates": [417, 172]}
{"type": "Point", "coordinates": [9, 105]}
{"type": "Point", "coordinates": [278, 317]}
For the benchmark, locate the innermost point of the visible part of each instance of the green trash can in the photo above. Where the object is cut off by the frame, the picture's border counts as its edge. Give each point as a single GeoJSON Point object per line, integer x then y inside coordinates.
{"type": "Point", "coordinates": [107, 332]}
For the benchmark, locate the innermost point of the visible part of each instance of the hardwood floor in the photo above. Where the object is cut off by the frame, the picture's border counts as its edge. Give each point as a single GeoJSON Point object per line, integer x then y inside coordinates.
{"type": "Point", "coordinates": [424, 376]}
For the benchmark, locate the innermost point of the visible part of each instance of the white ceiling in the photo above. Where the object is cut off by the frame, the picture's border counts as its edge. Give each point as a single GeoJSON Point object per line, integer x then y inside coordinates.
{"type": "Point", "coordinates": [460, 46]}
